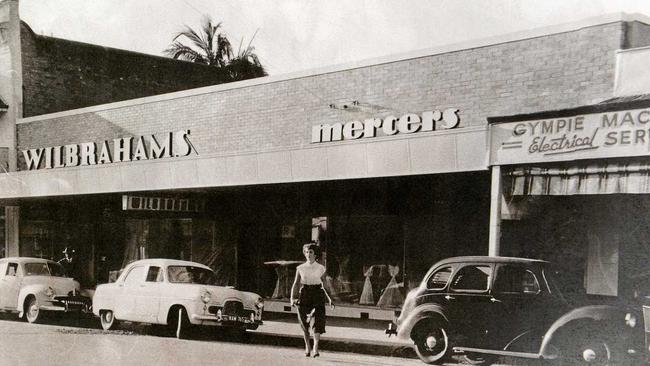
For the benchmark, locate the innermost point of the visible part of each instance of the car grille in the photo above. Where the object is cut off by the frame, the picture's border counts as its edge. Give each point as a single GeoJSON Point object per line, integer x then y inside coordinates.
{"type": "Point", "coordinates": [235, 308]}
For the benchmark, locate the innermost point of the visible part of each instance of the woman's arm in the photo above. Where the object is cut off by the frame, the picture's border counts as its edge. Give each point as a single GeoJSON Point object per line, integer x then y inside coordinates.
{"type": "Point", "coordinates": [294, 288]}
{"type": "Point", "coordinates": [329, 299]}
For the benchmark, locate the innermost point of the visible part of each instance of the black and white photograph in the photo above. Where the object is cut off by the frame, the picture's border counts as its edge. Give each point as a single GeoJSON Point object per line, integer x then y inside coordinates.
{"type": "Point", "coordinates": [324, 182]}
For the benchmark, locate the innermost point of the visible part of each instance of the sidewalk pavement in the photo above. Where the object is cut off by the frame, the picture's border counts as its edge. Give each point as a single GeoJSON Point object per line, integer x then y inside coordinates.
{"type": "Point", "coordinates": [342, 335]}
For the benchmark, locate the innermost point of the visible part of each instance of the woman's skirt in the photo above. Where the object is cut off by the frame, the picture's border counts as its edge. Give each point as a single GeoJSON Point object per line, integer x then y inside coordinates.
{"type": "Point", "coordinates": [311, 308]}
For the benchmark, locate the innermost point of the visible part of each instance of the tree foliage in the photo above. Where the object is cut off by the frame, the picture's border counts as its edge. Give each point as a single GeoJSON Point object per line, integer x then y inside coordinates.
{"type": "Point", "coordinates": [210, 46]}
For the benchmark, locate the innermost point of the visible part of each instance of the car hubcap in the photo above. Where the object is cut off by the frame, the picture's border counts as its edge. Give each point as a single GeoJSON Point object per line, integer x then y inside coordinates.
{"type": "Point", "coordinates": [33, 311]}
{"type": "Point", "coordinates": [589, 355]}
{"type": "Point", "coordinates": [109, 317]}
{"type": "Point", "coordinates": [431, 342]}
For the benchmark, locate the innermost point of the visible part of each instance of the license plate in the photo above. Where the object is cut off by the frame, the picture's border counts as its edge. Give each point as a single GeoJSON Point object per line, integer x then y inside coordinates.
{"type": "Point", "coordinates": [239, 319]}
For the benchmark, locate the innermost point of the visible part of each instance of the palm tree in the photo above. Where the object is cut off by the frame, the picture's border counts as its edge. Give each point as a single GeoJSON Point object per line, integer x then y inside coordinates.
{"type": "Point", "coordinates": [246, 64]}
{"type": "Point", "coordinates": [210, 46]}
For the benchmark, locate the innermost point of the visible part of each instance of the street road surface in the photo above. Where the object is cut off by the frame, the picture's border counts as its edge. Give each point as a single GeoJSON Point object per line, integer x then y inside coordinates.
{"type": "Point", "coordinates": [24, 344]}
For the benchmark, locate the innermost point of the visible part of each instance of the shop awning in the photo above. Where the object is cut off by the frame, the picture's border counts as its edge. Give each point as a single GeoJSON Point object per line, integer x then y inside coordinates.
{"type": "Point", "coordinates": [595, 178]}
{"type": "Point", "coordinates": [3, 106]}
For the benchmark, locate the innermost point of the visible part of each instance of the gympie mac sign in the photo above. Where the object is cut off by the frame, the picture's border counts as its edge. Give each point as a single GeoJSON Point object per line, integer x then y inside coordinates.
{"type": "Point", "coordinates": [124, 149]}
{"type": "Point", "coordinates": [586, 136]}
{"type": "Point", "coordinates": [388, 126]}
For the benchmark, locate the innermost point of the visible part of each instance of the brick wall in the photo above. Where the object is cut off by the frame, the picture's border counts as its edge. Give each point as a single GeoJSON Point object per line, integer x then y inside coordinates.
{"type": "Point", "coordinates": [60, 74]}
{"type": "Point", "coordinates": [543, 73]}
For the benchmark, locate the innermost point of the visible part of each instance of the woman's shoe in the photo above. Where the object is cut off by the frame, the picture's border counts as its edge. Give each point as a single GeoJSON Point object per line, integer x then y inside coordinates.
{"type": "Point", "coordinates": [307, 354]}
{"type": "Point", "coordinates": [316, 355]}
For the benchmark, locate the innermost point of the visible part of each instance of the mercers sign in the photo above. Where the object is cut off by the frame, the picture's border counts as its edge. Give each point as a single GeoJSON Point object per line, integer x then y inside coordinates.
{"type": "Point", "coordinates": [167, 145]}
{"type": "Point", "coordinates": [388, 126]}
{"type": "Point", "coordinates": [588, 136]}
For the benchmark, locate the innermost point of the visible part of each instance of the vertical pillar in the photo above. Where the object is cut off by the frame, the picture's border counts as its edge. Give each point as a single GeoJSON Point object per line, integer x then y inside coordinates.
{"type": "Point", "coordinates": [496, 195]}
{"type": "Point", "coordinates": [12, 215]}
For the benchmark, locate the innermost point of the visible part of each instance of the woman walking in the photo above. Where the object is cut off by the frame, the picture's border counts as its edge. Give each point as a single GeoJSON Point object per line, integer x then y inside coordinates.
{"type": "Point", "coordinates": [312, 297]}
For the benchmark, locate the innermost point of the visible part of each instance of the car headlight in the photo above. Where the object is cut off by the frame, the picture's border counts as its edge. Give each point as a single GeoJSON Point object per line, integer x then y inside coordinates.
{"type": "Point", "coordinates": [630, 320]}
{"type": "Point", "coordinates": [259, 304]}
{"type": "Point", "coordinates": [206, 296]}
{"type": "Point", "coordinates": [50, 292]}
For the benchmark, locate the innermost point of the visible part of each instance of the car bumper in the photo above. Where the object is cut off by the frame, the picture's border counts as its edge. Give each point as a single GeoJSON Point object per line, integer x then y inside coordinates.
{"type": "Point", "coordinates": [226, 320]}
{"type": "Point", "coordinates": [69, 303]}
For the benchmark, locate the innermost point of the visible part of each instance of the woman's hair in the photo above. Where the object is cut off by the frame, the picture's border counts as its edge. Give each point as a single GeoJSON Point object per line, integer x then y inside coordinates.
{"type": "Point", "coordinates": [311, 246]}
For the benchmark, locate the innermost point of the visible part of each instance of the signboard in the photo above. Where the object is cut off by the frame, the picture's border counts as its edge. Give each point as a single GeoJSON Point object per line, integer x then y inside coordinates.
{"type": "Point", "coordinates": [142, 203]}
{"type": "Point", "coordinates": [387, 126]}
{"type": "Point", "coordinates": [588, 136]}
{"type": "Point", "coordinates": [167, 145]}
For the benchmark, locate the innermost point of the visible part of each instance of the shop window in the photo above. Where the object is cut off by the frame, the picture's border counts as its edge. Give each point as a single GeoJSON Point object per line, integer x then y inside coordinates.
{"type": "Point", "coordinates": [472, 279]}
{"type": "Point", "coordinates": [439, 279]}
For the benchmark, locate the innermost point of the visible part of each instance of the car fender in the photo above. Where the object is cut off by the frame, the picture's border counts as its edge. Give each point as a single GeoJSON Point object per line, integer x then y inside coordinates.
{"type": "Point", "coordinates": [37, 289]}
{"type": "Point", "coordinates": [188, 304]}
{"type": "Point", "coordinates": [420, 312]}
{"type": "Point", "coordinates": [592, 314]}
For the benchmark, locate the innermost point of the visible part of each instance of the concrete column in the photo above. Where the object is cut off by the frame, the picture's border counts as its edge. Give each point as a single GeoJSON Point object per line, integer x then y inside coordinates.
{"type": "Point", "coordinates": [12, 229]}
{"type": "Point", "coordinates": [496, 196]}
{"type": "Point", "coordinates": [11, 84]}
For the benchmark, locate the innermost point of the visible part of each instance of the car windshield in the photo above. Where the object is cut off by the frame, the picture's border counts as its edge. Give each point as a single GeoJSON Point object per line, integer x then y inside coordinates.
{"type": "Point", "coordinates": [191, 274]}
{"type": "Point", "coordinates": [36, 269]}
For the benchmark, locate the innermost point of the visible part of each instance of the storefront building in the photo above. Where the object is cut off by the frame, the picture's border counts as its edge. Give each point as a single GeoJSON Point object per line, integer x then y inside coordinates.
{"type": "Point", "coordinates": [575, 186]}
{"type": "Point", "coordinates": [383, 163]}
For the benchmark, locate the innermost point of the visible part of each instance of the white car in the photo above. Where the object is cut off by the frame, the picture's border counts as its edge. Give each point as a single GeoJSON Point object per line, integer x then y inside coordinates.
{"type": "Point", "coordinates": [175, 293]}
{"type": "Point", "coordinates": [30, 286]}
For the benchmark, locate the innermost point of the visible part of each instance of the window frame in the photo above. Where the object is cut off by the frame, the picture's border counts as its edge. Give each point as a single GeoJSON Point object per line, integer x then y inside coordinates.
{"type": "Point", "coordinates": [490, 278]}
{"type": "Point", "coordinates": [523, 267]}
{"type": "Point", "coordinates": [126, 277]}
{"type": "Point", "coordinates": [451, 275]}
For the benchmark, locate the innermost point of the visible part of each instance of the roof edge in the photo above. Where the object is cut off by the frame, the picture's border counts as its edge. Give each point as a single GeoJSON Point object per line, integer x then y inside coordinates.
{"type": "Point", "coordinates": [454, 47]}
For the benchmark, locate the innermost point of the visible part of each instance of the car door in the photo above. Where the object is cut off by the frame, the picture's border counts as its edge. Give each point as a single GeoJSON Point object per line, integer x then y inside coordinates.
{"type": "Point", "coordinates": [519, 305]}
{"type": "Point", "coordinates": [470, 305]}
{"type": "Point", "coordinates": [9, 285]}
{"type": "Point", "coordinates": [125, 297]}
{"type": "Point", "coordinates": [147, 298]}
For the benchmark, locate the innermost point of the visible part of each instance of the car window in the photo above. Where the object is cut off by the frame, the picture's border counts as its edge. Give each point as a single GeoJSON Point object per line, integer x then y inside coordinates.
{"type": "Point", "coordinates": [154, 274]}
{"type": "Point", "coordinates": [36, 269]}
{"type": "Point", "coordinates": [514, 279]}
{"type": "Point", "coordinates": [56, 269]}
{"type": "Point", "coordinates": [438, 279]}
{"type": "Point", "coordinates": [191, 274]}
{"type": "Point", "coordinates": [12, 269]}
{"type": "Point", "coordinates": [472, 278]}
{"type": "Point", "coordinates": [135, 276]}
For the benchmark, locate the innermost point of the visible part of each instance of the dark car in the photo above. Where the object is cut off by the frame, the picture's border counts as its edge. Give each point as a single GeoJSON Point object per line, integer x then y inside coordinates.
{"type": "Point", "coordinates": [483, 308]}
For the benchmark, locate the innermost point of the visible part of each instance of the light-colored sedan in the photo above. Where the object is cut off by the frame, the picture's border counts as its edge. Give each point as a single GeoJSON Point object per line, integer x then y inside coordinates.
{"type": "Point", "coordinates": [175, 293]}
{"type": "Point", "coordinates": [30, 286]}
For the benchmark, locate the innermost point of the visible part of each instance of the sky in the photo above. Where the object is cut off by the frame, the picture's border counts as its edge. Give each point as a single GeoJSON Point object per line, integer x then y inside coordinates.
{"type": "Point", "coordinates": [298, 35]}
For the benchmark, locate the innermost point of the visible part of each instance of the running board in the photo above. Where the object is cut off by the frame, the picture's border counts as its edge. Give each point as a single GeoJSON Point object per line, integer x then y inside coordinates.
{"type": "Point", "coordinates": [536, 356]}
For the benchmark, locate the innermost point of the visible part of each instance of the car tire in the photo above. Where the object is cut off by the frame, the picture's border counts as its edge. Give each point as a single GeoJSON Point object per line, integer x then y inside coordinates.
{"type": "Point", "coordinates": [479, 359]}
{"type": "Point", "coordinates": [432, 343]}
{"type": "Point", "coordinates": [179, 325]}
{"type": "Point", "coordinates": [33, 313]}
{"type": "Point", "coordinates": [107, 318]}
{"type": "Point", "coordinates": [588, 350]}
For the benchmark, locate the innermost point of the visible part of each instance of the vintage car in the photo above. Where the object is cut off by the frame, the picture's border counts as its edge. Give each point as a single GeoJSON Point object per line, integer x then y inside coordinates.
{"type": "Point", "coordinates": [483, 308]}
{"type": "Point", "coordinates": [177, 294]}
{"type": "Point", "coordinates": [32, 286]}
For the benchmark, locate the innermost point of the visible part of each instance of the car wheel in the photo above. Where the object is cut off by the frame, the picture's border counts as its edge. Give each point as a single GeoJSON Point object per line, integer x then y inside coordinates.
{"type": "Point", "coordinates": [32, 311]}
{"type": "Point", "coordinates": [179, 324]}
{"type": "Point", "coordinates": [591, 350]}
{"type": "Point", "coordinates": [479, 359]}
{"type": "Point", "coordinates": [432, 343]}
{"type": "Point", "coordinates": [107, 319]}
